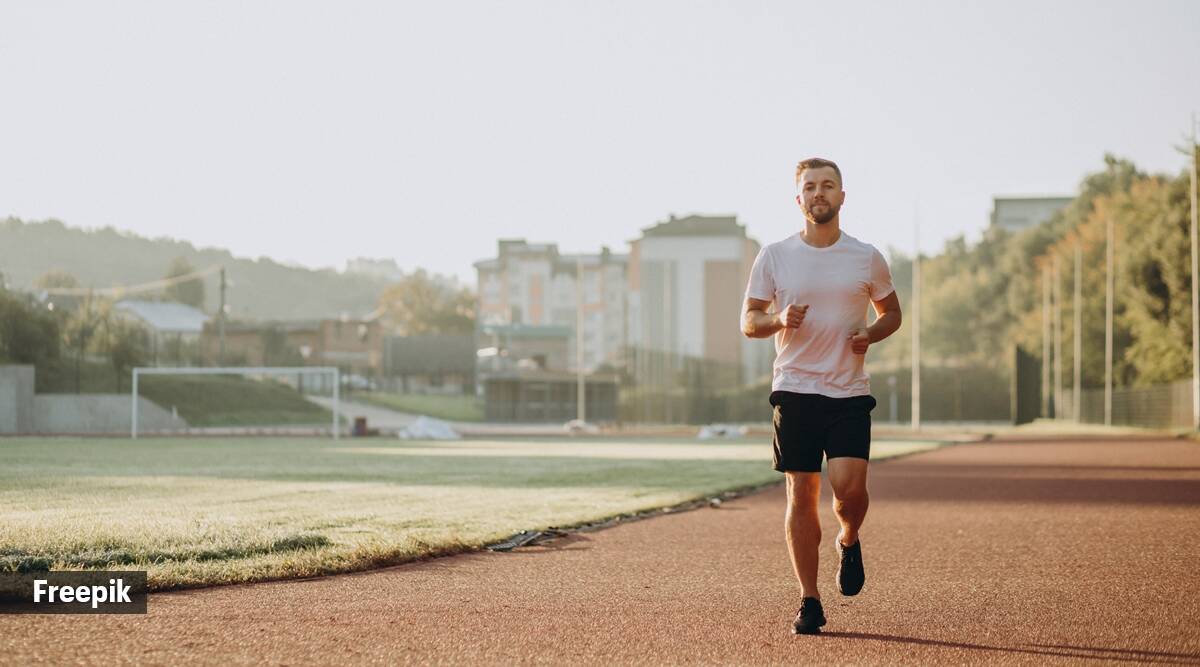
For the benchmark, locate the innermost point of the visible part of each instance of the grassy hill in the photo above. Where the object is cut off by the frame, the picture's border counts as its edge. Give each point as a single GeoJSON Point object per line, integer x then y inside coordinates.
{"type": "Point", "coordinates": [262, 288]}
{"type": "Point", "coordinates": [217, 400]}
{"type": "Point", "coordinates": [208, 400]}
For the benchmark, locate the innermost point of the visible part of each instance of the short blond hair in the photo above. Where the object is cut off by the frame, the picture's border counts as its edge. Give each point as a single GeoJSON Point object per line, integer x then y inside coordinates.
{"type": "Point", "coordinates": [817, 163]}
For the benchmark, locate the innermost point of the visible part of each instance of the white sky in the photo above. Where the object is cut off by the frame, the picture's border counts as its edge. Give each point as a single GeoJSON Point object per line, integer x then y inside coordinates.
{"type": "Point", "coordinates": [424, 131]}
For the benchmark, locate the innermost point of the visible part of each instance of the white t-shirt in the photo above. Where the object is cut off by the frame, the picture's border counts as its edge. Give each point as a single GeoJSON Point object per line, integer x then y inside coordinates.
{"type": "Point", "coordinates": [838, 283]}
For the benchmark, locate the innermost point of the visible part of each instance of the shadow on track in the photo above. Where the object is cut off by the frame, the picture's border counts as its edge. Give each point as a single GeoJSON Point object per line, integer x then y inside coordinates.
{"type": "Point", "coordinates": [959, 484]}
{"type": "Point", "coordinates": [1057, 650]}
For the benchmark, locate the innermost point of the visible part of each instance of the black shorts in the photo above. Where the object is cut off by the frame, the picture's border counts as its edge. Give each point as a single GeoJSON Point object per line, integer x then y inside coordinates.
{"type": "Point", "coordinates": [810, 426]}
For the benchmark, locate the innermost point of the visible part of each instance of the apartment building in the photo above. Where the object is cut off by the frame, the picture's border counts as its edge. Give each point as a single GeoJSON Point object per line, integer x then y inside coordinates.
{"type": "Point", "coordinates": [533, 285]}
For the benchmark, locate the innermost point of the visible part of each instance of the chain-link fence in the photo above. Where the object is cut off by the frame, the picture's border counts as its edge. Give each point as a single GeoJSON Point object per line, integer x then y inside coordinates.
{"type": "Point", "coordinates": [1157, 406]}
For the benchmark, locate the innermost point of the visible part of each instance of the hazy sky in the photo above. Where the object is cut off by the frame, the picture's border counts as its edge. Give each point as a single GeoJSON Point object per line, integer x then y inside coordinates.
{"type": "Point", "coordinates": [424, 131]}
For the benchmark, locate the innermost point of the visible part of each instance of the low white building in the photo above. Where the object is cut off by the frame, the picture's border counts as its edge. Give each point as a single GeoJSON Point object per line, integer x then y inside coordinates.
{"type": "Point", "coordinates": [168, 322]}
{"type": "Point", "coordinates": [1021, 212]}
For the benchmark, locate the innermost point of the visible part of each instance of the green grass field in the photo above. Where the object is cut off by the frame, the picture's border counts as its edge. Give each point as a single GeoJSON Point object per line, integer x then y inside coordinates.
{"type": "Point", "coordinates": [198, 512]}
{"type": "Point", "coordinates": [451, 408]}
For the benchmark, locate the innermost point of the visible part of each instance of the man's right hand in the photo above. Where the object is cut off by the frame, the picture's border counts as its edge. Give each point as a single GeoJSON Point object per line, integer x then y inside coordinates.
{"type": "Point", "coordinates": [792, 316]}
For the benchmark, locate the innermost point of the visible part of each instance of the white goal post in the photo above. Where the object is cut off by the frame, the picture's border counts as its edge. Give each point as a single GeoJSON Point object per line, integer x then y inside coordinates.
{"type": "Point", "coordinates": [238, 370]}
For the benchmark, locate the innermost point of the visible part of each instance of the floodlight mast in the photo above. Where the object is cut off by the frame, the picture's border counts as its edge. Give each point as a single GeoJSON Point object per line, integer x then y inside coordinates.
{"type": "Point", "coordinates": [238, 370]}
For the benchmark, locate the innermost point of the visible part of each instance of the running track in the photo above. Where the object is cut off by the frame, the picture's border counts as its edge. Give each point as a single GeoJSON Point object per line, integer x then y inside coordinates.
{"type": "Point", "coordinates": [1020, 552]}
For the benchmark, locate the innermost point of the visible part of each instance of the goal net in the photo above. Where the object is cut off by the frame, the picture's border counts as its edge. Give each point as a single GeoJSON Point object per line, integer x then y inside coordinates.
{"type": "Point", "coordinates": [301, 400]}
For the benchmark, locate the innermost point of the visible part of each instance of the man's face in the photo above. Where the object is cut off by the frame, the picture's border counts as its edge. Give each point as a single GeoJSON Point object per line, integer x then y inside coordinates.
{"type": "Point", "coordinates": [821, 194]}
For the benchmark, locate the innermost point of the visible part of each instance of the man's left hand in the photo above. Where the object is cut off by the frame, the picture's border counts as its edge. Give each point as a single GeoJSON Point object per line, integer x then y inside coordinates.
{"type": "Point", "coordinates": [860, 340]}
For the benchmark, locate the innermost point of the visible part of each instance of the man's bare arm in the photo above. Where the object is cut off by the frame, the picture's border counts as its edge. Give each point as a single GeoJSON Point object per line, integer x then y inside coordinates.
{"type": "Point", "coordinates": [758, 323]}
{"type": "Point", "coordinates": [888, 318]}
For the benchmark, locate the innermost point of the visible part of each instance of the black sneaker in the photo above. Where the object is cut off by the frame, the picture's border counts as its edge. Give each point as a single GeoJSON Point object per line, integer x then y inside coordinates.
{"type": "Point", "coordinates": [810, 618]}
{"type": "Point", "coordinates": [850, 575]}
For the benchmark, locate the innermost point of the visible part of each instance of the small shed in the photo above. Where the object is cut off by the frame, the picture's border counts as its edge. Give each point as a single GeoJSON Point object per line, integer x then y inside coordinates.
{"type": "Point", "coordinates": [172, 326]}
{"type": "Point", "coordinates": [545, 396]}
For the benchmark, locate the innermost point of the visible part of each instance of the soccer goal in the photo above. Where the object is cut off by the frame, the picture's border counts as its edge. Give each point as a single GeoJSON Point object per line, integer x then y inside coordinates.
{"type": "Point", "coordinates": [253, 400]}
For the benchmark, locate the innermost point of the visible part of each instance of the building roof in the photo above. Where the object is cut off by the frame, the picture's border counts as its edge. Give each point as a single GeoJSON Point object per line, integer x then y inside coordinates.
{"type": "Point", "coordinates": [1050, 199]}
{"type": "Point", "coordinates": [1022, 211]}
{"type": "Point", "coordinates": [166, 316]}
{"type": "Point", "coordinates": [697, 225]}
{"type": "Point", "coordinates": [561, 263]}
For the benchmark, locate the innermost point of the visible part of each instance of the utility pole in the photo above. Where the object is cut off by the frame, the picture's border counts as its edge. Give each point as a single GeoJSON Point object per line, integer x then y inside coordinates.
{"type": "Point", "coordinates": [581, 400]}
{"type": "Point", "coordinates": [1058, 366]}
{"type": "Point", "coordinates": [668, 375]}
{"type": "Point", "coordinates": [221, 323]}
{"type": "Point", "coordinates": [1045, 343]}
{"type": "Point", "coordinates": [1108, 321]}
{"type": "Point", "coordinates": [1078, 356]}
{"type": "Point", "coordinates": [1195, 292]}
{"type": "Point", "coordinates": [916, 335]}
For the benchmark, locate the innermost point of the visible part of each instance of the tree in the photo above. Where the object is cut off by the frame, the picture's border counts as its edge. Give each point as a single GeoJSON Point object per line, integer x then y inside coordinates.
{"type": "Point", "coordinates": [190, 292]}
{"type": "Point", "coordinates": [128, 346]}
{"type": "Point", "coordinates": [28, 334]}
{"type": "Point", "coordinates": [419, 304]}
{"type": "Point", "coordinates": [79, 329]}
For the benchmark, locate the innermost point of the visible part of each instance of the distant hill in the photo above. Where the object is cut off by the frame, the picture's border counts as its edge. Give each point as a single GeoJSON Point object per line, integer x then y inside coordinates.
{"type": "Point", "coordinates": [261, 289]}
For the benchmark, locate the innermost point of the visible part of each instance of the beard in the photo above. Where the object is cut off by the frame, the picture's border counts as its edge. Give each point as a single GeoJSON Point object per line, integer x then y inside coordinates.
{"type": "Point", "coordinates": [828, 214]}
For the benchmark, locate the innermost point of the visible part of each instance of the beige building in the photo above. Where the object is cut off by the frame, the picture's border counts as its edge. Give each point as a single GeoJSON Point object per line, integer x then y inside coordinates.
{"type": "Point", "coordinates": [687, 278]}
{"type": "Point", "coordinates": [533, 285]}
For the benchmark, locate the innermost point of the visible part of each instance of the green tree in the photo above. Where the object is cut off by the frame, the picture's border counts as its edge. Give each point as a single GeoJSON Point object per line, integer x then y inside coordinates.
{"type": "Point", "coordinates": [420, 304]}
{"type": "Point", "coordinates": [80, 328]}
{"type": "Point", "coordinates": [29, 334]}
{"type": "Point", "coordinates": [190, 292]}
{"type": "Point", "coordinates": [128, 346]}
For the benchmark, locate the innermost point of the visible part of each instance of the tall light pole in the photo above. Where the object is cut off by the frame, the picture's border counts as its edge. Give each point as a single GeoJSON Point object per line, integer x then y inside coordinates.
{"type": "Point", "coordinates": [1045, 342]}
{"type": "Point", "coordinates": [1195, 292]}
{"type": "Point", "coordinates": [1108, 320]}
{"type": "Point", "coordinates": [221, 322]}
{"type": "Point", "coordinates": [1058, 366]}
{"type": "Point", "coordinates": [1078, 356]}
{"type": "Point", "coordinates": [581, 404]}
{"type": "Point", "coordinates": [916, 335]}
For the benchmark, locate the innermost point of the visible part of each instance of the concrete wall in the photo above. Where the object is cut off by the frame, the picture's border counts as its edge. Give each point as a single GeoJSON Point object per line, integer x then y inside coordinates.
{"type": "Point", "coordinates": [98, 413]}
{"type": "Point", "coordinates": [21, 411]}
{"type": "Point", "coordinates": [16, 399]}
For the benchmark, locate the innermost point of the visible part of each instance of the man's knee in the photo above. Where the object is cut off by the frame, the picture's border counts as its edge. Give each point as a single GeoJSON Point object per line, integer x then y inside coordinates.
{"type": "Point", "coordinates": [803, 490]}
{"type": "Point", "coordinates": [850, 491]}
{"type": "Point", "coordinates": [848, 479]}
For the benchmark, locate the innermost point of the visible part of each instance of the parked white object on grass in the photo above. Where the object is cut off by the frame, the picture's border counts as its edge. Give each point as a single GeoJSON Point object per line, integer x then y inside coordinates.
{"type": "Point", "coordinates": [428, 428]}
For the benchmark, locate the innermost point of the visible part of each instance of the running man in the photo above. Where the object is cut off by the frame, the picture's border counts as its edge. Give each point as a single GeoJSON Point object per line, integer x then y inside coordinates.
{"type": "Point", "coordinates": [821, 280]}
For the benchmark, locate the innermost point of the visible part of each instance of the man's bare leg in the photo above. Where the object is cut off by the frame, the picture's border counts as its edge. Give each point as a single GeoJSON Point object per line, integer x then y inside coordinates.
{"type": "Point", "coordinates": [848, 477]}
{"type": "Point", "coordinates": [802, 525]}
